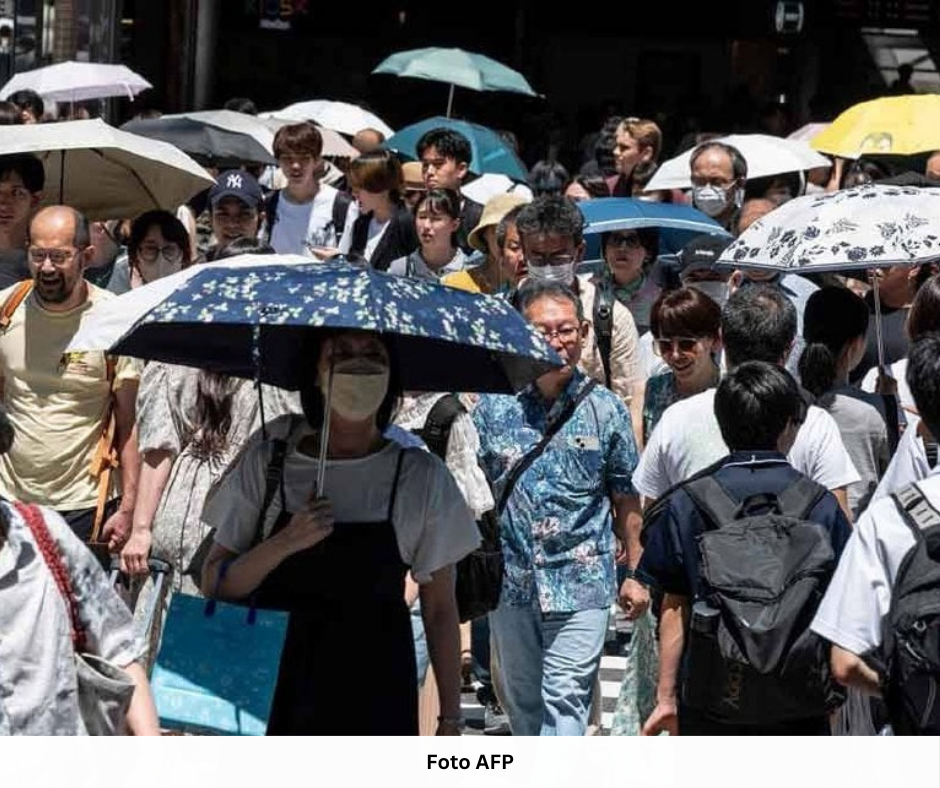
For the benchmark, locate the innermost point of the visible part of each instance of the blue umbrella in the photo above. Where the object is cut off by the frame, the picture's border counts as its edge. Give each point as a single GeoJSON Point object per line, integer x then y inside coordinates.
{"type": "Point", "coordinates": [490, 151]}
{"type": "Point", "coordinates": [250, 319]}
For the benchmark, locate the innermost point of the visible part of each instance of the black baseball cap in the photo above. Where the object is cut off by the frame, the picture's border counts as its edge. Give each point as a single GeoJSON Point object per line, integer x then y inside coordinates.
{"type": "Point", "coordinates": [702, 252]}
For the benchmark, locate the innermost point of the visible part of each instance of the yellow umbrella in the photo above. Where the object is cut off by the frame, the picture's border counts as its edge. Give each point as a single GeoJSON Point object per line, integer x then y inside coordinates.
{"type": "Point", "coordinates": [898, 125]}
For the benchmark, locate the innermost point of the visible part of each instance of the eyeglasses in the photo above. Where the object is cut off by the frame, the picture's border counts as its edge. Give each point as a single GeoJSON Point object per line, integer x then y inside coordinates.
{"type": "Point", "coordinates": [57, 256]}
{"type": "Point", "coordinates": [541, 260]}
{"type": "Point", "coordinates": [630, 241]}
{"type": "Point", "coordinates": [566, 333]}
{"type": "Point", "coordinates": [171, 253]}
{"type": "Point", "coordinates": [663, 345]}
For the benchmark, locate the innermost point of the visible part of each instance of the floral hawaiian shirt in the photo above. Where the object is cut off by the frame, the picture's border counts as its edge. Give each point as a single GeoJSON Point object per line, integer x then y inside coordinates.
{"type": "Point", "coordinates": [557, 526]}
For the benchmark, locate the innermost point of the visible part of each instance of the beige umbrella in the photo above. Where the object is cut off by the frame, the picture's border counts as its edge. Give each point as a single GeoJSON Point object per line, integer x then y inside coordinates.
{"type": "Point", "coordinates": [106, 173]}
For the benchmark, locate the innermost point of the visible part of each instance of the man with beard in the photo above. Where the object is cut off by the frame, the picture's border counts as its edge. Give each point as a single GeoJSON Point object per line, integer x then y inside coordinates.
{"type": "Point", "coordinates": [60, 404]}
{"type": "Point", "coordinates": [21, 182]}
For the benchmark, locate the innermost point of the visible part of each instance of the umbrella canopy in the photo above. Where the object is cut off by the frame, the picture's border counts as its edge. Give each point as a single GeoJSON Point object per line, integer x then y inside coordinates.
{"type": "Point", "coordinates": [248, 317]}
{"type": "Point", "coordinates": [337, 115]}
{"type": "Point", "coordinates": [75, 81]}
{"type": "Point", "coordinates": [900, 125]}
{"type": "Point", "coordinates": [807, 132]}
{"type": "Point", "coordinates": [106, 173]}
{"type": "Point", "coordinates": [487, 186]}
{"type": "Point", "coordinates": [765, 155]}
{"type": "Point", "coordinates": [220, 138]}
{"type": "Point", "coordinates": [677, 224]}
{"type": "Point", "coordinates": [869, 226]}
{"type": "Point", "coordinates": [490, 152]}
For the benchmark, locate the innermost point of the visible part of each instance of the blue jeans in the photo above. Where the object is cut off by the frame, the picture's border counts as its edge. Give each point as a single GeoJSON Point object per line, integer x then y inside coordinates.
{"type": "Point", "coordinates": [548, 663]}
{"type": "Point", "coordinates": [421, 642]}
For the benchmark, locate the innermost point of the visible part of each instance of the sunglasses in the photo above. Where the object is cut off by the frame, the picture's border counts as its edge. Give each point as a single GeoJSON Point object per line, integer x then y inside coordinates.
{"type": "Point", "coordinates": [663, 345]}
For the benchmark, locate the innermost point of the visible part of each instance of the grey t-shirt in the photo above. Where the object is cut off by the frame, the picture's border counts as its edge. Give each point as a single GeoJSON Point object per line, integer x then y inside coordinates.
{"type": "Point", "coordinates": [860, 417]}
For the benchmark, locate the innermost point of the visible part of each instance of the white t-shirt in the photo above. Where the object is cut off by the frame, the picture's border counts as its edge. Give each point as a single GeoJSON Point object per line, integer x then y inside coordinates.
{"type": "Point", "coordinates": [898, 371]}
{"type": "Point", "coordinates": [297, 222]}
{"type": "Point", "coordinates": [908, 465]}
{"type": "Point", "coordinates": [859, 596]}
{"type": "Point", "coordinates": [433, 526]}
{"type": "Point", "coordinates": [687, 440]}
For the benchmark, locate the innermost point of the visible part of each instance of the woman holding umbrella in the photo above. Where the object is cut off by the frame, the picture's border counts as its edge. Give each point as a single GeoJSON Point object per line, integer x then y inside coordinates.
{"type": "Point", "coordinates": [331, 555]}
{"type": "Point", "coordinates": [629, 256]}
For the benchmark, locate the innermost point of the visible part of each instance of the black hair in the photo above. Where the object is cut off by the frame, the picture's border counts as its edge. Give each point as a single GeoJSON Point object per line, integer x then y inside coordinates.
{"type": "Point", "coordinates": [738, 162]}
{"type": "Point", "coordinates": [29, 100]}
{"type": "Point", "coordinates": [240, 104]}
{"type": "Point", "coordinates": [449, 143]}
{"type": "Point", "coordinates": [863, 171]}
{"type": "Point", "coordinates": [246, 244]}
{"type": "Point", "coordinates": [649, 239]}
{"type": "Point", "coordinates": [924, 316]}
{"type": "Point", "coordinates": [533, 290]}
{"type": "Point", "coordinates": [604, 146]}
{"type": "Point", "coordinates": [170, 227]}
{"type": "Point", "coordinates": [446, 201]}
{"type": "Point", "coordinates": [834, 317]}
{"type": "Point", "coordinates": [548, 177]}
{"type": "Point", "coordinates": [311, 398]}
{"type": "Point", "coordinates": [758, 323]}
{"type": "Point", "coordinates": [551, 215]}
{"type": "Point", "coordinates": [502, 229]}
{"type": "Point", "coordinates": [754, 403]}
{"type": "Point", "coordinates": [923, 378]}
{"type": "Point", "coordinates": [9, 114]}
{"type": "Point", "coordinates": [27, 166]}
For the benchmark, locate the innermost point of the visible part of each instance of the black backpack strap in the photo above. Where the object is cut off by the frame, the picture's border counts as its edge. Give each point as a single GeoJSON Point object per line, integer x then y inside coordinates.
{"type": "Point", "coordinates": [436, 430]}
{"type": "Point", "coordinates": [533, 454]}
{"type": "Point", "coordinates": [341, 204]}
{"type": "Point", "coordinates": [892, 421]}
{"type": "Point", "coordinates": [919, 514]}
{"type": "Point", "coordinates": [713, 501]}
{"type": "Point", "coordinates": [799, 499]}
{"type": "Point", "coordinates": [931, 452]}
{"type": "Point", "coordinates": [274, 480]}
{"type": "Point", "coordinates": [604, 326]}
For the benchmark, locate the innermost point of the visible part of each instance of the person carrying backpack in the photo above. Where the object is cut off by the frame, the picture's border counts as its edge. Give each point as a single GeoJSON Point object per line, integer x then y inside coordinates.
{"type": "Point", "coordinates": [747, 541]}
{"type": "Point", "coordinates": [882, 610]}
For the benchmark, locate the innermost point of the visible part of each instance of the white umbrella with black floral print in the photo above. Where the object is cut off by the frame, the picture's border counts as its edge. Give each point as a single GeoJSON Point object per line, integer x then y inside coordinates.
{"type": "Point", "coordinates": [871, 226]}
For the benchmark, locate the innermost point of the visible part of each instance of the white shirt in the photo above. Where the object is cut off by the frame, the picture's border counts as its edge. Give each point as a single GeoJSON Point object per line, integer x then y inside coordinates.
{"type": "Point", "coordinates": [687, 439]}
{"type": "Point", "coordinates": [898, 371]}
{"type": "Point", "coordinates": [908, 465]}
{"type": "Point", "coordinates": [859, 595]}
{"type": "Point", "coordinates": [433, 526]}
{"type": "Point", "coordinates": [297, 222]}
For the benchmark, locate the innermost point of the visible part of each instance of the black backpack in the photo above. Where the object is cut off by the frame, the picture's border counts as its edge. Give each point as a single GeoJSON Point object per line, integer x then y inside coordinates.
{"type": "Point", "coordinates": [911, 643]}
{"type": "Point", "coordinates": [479, 578]}
{"type": "Point", "coordinates": [752, 658]}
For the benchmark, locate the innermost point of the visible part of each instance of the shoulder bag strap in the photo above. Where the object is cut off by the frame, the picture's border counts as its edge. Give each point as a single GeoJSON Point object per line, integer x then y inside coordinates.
{"type": "Point", "coordinates": [891, 421]}
{"type": "Point", "coordinates": [604, 326]}
{"type": "Point", "coordinates": [918, 513]}
{"type": "Point", "coordinates": [13, 302]}
{"type": "Point", "coordinates": [273, 481]}
{"type": "Point", "coordinates": [523, 464]}
{"type": "Point", "coordinates": [53, 559]}
{"type": "Point", "coordinates": [105, 459]}
{"type": "Point", "coordinates": [436, 430]}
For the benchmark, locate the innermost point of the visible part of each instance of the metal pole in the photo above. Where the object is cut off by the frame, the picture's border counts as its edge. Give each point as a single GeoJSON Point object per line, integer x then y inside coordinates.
{"type": "Point", "coordinates": [324, 434]}
{"type": "Point", "coordinates": [450, 100]}
{"type": "Point", "coordinates": [878, 327]}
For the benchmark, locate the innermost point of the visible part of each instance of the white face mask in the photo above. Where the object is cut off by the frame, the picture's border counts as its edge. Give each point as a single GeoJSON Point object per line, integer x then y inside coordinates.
{"type": "Point", "coordinates": [158, 269]}
{"type": "Point", "coordinates": [710, 200]}
{"type": "Point", "coordinates": [562, 274]}
{"type": "Point", "coordinates": [359, 387]}
{"type": "Point", "coordinates": [716, 291]}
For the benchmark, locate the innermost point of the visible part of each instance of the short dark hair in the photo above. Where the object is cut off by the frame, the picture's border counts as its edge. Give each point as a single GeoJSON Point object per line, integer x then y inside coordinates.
{"type": "Point", "coordinates": [754, 403]}
{"type": "Point", "coordinates": [834, 317]}
{"type": "Point", "coordinates": [502, 229]}
{"type": "Point", "coordinates": [758, 323]}
{"type": "Point", "coordinates": [685, 312]}
{"type": "Point", "coordinates": [376, 171]}
{"type": "Point", "coordinates": [9, 115]}
{"type": "Point", "coordinates": [450, 144]}
{"type": "Point", "coordinates": [551, 215]}
{"type": "Point", "coordinates": [923, 378]}
{"type": "Point", "coordinates": [244, 245]}
{"type": "Point", "coordinates": [925, 310]}
{"type": "Point", "coordinates": [29, 100]}
{"type": "Point", "coordinates": [738, 162]}
{"type": "Point", "coordinates": [27, 166]}
{"type": "Point", "coordinates": [170, 227]}
{"type": "Point", "coordinates": [300, 139]}
{"type": "Point", "coordinates": [548, 177]}
{"type": "Point", "coordinates": [533, 290]}
{"type": "Point", "coordinates": [446, 201]}
{"type": "Point", "coordinates": [241, 104]}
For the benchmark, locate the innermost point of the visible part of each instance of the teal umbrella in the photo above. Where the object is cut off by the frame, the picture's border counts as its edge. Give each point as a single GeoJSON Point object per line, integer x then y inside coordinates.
{"type": "Point", "coordinates": [488, 151]}
{"type": "Point", "coordinates": [455, 67]}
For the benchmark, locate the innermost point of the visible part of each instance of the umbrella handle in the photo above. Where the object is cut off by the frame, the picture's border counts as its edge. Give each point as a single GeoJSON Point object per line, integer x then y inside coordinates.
{"type": "Point", "coordinates": [324, 434]}
{"type": "Point", "coordinates": [450, 100]}
{"type": "Point", "coordinates": [879, 336]}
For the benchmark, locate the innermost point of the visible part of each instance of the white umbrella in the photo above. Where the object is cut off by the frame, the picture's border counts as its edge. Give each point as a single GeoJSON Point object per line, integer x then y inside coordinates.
{"type": "Point", "coordinates": [807, 132]}
{"type": "Point", "coordinates": [106, 173]}
{"type": "Point", "coordinates": [490, 184]}
{"type": "Point", "coordinates": [334, 144]}
{"type": "Point", "coordinates": [75, 81]}
{"type": "Point", "coordinates": [337, 115]}
{"type": "Point", "coordinates": [765, 155]}
{"type": "Point", "coordinates": [870, 226]}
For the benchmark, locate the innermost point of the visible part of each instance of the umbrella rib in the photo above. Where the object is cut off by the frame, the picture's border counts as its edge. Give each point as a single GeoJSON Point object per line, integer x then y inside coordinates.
{"type": "Point", "coordinates": [137, 177]}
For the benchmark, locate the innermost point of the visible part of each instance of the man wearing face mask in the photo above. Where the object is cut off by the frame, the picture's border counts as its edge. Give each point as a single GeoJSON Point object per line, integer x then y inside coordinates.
{"type": "Point", "coordinates": [551, 231]}
{"type": "Point", "coordinates": [719, 173]}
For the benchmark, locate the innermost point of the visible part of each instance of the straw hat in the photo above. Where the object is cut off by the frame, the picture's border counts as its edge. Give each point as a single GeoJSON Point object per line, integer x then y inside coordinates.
{"type": "Point", "coordinates": [493, 212]}
{"type": "Point", "coordinates": [412, 176]}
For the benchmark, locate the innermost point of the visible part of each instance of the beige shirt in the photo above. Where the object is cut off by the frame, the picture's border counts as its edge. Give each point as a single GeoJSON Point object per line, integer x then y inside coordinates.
{"type": "Point", "coordinates": [56, 405]}
{"type": "Point", "coordinates": [625, 372]}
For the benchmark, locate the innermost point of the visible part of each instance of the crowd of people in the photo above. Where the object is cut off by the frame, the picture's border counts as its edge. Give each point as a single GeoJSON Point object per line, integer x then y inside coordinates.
{"type": "Point", "coordinates": [718, 453]}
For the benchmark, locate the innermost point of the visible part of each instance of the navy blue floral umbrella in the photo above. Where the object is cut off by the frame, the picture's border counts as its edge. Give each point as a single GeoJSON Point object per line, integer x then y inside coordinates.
{"type": "Point", "coordinates": [248, 317]}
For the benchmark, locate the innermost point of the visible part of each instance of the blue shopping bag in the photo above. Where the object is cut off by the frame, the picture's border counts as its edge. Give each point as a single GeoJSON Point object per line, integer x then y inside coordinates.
{"type": "Point", "coordinates": [217, 667]}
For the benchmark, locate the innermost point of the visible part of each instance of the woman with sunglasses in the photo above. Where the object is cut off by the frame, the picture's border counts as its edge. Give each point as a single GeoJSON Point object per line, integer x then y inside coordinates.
{"type": "Point", "coordinates": [159, 246]}
{"type": "Point", "coordinates": [629, 256]}
{"type": "Point", "coordinates": [686, 326]}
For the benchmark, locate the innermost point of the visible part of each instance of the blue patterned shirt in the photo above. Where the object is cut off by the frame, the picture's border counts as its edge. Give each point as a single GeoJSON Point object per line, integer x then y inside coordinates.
{"type": "Point", "coordinates": [557, 527]}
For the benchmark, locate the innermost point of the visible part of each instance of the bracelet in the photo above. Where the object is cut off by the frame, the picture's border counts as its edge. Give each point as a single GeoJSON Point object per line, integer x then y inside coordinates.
{"type": "Point", "coordinates": [454, 722]}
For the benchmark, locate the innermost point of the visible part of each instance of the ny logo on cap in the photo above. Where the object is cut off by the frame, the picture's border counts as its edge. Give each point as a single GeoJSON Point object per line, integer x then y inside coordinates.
{"type": "Point", "coordinates": [234, 181]}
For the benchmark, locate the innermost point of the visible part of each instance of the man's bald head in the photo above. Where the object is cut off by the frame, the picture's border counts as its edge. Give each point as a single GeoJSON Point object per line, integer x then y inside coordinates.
{"type": "Point", "coordinates": [62, 219]}
{"type": "Point", "coordinates": [752, 210]}
{"type": "Point", "coordinates": [368, 140]}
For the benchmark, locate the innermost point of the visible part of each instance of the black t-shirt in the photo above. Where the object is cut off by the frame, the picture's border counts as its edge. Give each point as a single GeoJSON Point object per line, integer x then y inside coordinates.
{"type": "Point", "coordinates": [893, 334]}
